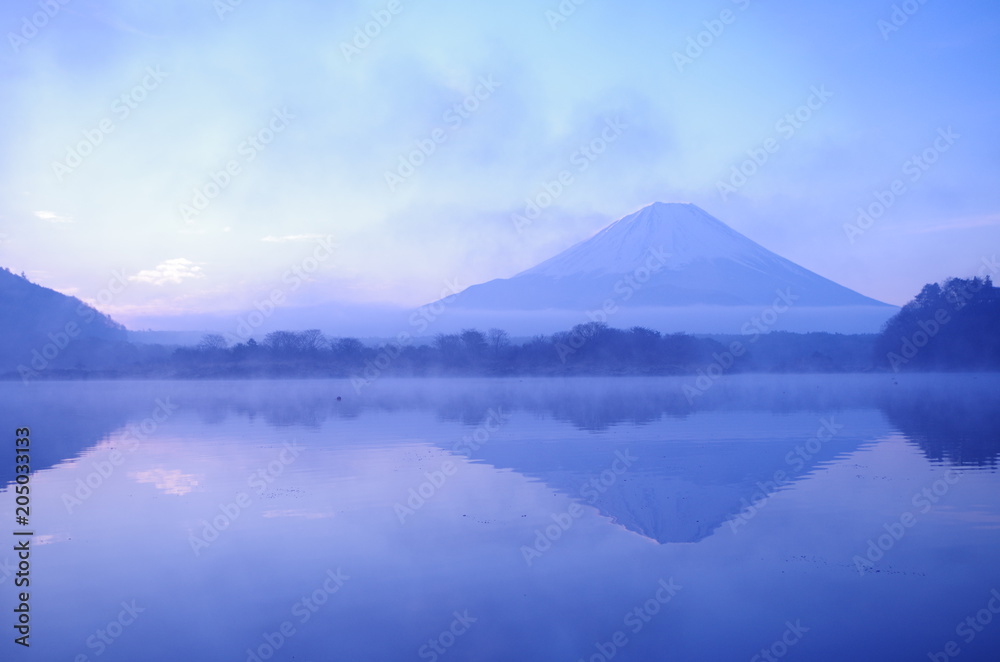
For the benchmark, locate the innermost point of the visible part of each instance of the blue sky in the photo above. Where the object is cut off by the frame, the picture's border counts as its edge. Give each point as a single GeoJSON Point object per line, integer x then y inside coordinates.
{"type": "Point", "coordinates": [162, 97]}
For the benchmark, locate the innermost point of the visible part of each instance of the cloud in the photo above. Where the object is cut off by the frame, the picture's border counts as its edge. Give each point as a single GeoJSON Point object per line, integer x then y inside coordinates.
{"type": "Point", "coordinates": [170, 481]}
{"type": "Point", "coordinates": [295, 513]}
{"type": "Point", "coordinates": [290, 237]}
{"type": "Point", "coordinates": [53, 217]}
{"type": "Point", "coordinates": [961, 224]}
{"type": "Point", "coordinates": [49, 539]}
{"type": "Point", "coordinates": [171, 271]}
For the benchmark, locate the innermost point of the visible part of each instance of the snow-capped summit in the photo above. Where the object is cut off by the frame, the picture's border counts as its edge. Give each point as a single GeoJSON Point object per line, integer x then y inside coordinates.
{"type": "Point", "coordinates": [683, 230]}
{"type": "Point", "coordinates": [669, 254]}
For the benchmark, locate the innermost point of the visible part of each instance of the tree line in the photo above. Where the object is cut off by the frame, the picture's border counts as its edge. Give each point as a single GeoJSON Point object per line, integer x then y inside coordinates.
{"type": "Point", "coordinates": [950, 326]}
{"type": "Point", "coordinates": [592, 348]}
{"type": "Point", "coordinates": [954, 325]}
{"type": "Point", "coordinates": [587, 349]}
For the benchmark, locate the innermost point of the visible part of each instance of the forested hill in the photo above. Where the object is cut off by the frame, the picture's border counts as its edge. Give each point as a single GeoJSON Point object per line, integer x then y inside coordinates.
{"type": "Point", "coordinates": [32, 317]}
{"type": "Point", "coordinates": [954, 325]}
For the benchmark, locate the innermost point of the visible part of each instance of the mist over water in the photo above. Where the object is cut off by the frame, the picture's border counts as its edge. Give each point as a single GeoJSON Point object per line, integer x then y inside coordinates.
{"type": "Point", "coordinates": [534, 506]}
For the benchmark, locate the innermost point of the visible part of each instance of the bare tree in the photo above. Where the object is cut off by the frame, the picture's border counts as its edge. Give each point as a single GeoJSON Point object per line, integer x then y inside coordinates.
{"type": "Point", "coordinates": [498, 339]}
{"type": "Point", "coordinates": [212, 342]}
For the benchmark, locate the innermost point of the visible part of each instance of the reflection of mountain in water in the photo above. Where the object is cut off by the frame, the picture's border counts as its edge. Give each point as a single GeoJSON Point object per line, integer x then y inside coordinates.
{"type": "Point", "coordinates": [67, 417]}
{"type": "Point", "coordinates": [954, 419]}
{"type": "Point", "coordinates": [676, 495]}
{"type": "Point", "coordinates": [682, 489]}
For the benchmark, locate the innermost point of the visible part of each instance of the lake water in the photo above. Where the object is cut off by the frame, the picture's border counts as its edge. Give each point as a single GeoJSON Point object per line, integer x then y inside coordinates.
{"type": "Point", "coordinates": [792, 517]}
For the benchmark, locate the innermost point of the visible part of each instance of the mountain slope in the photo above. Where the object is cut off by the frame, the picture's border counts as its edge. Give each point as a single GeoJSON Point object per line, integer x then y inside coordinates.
{"type": "Point", "coordinates": [667, 254]}
{"type": "Point", "coordinates": [32, 317]}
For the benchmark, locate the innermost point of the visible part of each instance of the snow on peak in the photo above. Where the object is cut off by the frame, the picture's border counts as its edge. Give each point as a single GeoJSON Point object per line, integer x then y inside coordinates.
{"type": "Point", "coordinates": [685, 232]}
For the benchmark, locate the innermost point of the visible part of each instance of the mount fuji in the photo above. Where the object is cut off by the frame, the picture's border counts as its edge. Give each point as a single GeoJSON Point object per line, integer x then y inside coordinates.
{"type": "Point", "coordinates": [669, 265]}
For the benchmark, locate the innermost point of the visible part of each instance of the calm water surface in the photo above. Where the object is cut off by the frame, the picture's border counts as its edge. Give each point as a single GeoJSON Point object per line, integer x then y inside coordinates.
{"type": "Point", "coordinates": [807, 518]}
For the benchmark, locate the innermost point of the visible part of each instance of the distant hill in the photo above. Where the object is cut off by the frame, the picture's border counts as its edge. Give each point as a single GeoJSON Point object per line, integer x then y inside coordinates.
{"type": "Point", "coordinates": [36, 319]}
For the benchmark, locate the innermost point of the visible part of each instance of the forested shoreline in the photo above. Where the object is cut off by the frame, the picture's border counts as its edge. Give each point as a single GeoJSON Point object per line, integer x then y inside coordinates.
{"type": "Point", "coordinates": [948, 327]}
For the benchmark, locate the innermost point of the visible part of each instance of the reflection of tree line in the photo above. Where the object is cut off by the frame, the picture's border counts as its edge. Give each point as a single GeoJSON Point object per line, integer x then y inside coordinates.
{"type": "Point", "coordinates": [953, 423]}
{"type": "Point", "coordinates": [952, 417]}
